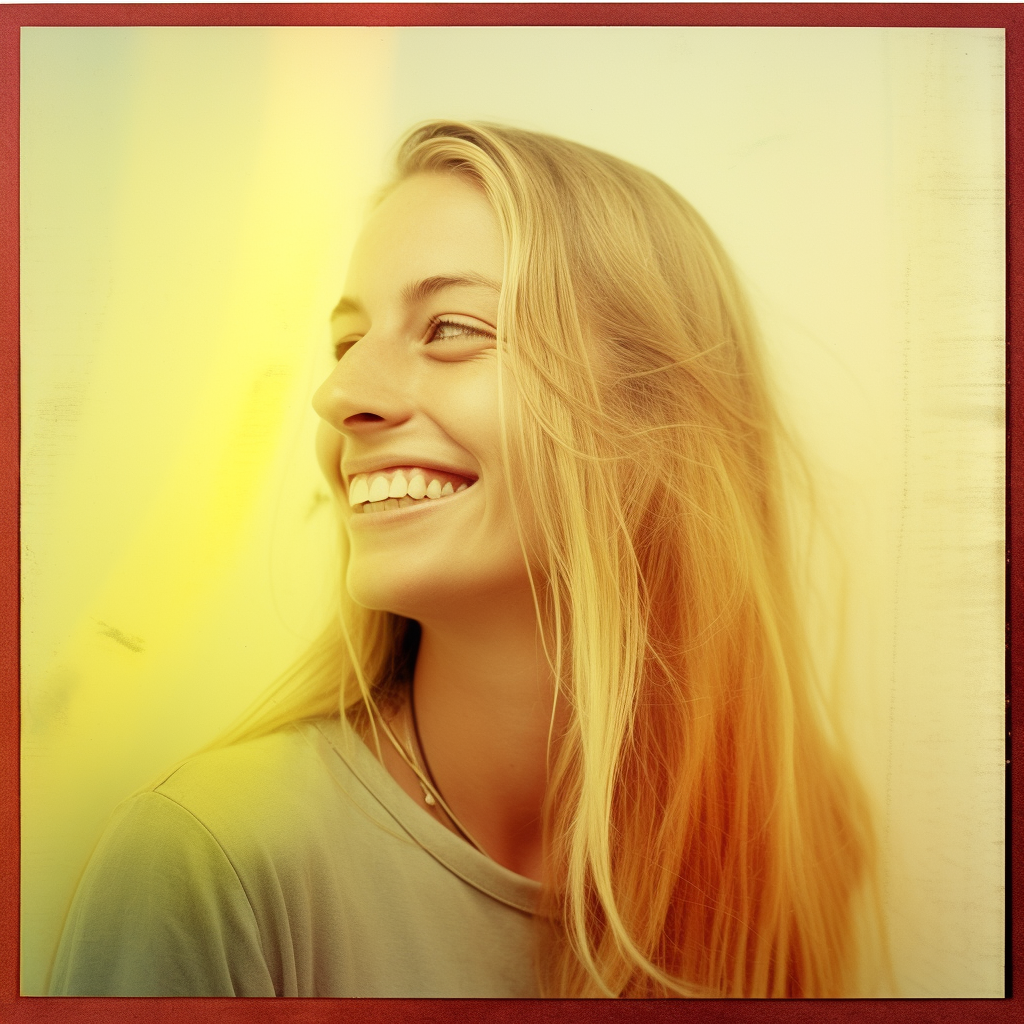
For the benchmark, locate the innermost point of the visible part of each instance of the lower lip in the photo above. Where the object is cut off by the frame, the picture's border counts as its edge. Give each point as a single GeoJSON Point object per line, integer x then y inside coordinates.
{"type": "Point", "coordinates": [362, 520]}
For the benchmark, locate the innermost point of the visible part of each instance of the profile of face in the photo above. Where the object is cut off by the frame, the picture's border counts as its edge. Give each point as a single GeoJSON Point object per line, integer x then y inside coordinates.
{"type": "Point", "coordinates": [409, 438]}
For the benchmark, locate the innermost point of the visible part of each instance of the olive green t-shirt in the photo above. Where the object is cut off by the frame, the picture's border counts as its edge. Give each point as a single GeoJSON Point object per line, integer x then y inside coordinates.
{"type": "Point", "coordinates": [292, 865]}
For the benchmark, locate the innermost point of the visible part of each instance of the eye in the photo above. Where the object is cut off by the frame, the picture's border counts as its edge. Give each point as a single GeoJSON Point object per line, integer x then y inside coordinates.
{"type": "Point", "coordinates": [339, 348]}
{"type": "Point", "coordinates": [455, 330]}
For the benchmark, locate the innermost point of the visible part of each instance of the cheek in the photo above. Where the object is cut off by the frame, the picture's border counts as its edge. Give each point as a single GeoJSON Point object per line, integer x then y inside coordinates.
{"type": "Point", "coordinates": [328, 455]}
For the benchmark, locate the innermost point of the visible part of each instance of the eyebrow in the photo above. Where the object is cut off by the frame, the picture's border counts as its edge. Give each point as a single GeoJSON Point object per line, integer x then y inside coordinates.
{"type": "Point", "coordinates": [420, 290]}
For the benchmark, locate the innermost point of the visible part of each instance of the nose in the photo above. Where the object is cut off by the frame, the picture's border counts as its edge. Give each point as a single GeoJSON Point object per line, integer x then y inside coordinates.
{"type": "Point", "coordinates": [367, 391]}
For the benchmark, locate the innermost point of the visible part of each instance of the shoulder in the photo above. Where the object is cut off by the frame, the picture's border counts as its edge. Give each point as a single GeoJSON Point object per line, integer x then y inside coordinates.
{"type": "Point", "coordinates": [193, 877]}
{"type": "Point", "coordinates": [231, 776]}
{"type": "Point", "coordinates": [263, 799]}
{"type": "Point", "coordinates": [159, 911]}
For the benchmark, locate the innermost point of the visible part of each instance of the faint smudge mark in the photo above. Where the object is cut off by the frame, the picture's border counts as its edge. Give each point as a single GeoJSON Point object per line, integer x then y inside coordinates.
{"type": "Point", "coordinates": [46, 704]}
{"type": "Point", "coordinates": [133, 643]}
{"type": "Point", "coordinates": [318, 499]}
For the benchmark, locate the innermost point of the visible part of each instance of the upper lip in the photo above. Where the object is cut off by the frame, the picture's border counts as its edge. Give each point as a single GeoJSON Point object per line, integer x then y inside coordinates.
{"type": "Point", "coordinates": [380, 463]}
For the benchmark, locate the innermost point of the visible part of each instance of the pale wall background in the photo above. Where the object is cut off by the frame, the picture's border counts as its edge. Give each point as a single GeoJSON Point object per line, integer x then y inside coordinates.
{"type": "Point", "coordinates": [188, 200]}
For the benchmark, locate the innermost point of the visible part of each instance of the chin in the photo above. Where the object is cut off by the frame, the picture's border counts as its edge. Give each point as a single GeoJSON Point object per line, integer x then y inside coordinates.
{"type": "Point", "coordinates": [399, 589]}
{"type": "Point", "coordinates": [427, 591]}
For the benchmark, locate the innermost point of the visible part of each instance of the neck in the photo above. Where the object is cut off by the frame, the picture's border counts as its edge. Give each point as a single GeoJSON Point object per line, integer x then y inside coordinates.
{"type": "Point", "coordinates": [484, 696]}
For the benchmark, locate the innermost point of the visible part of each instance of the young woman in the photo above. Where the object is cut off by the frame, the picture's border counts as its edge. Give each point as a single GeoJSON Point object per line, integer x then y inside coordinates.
{"type": "Point", "coordinates": [563, 738]}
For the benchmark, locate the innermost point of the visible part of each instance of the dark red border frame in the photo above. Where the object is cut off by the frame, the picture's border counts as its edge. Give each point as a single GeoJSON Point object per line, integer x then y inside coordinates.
{"type": "Point", "coordinates": [15, 1008]}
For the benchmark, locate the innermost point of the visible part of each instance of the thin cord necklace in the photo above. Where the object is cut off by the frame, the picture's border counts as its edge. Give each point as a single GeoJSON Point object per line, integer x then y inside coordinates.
{"type": "Point", "coordinates": [427, 783]}
{"type": "Point", "coordinates": [431, 794]}
{"type": "Point", "coordinates": [419, 744]}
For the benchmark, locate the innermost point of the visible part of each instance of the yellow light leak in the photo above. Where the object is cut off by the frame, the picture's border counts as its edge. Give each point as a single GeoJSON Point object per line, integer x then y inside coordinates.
{"type": "Point", "coordinates": [193, 337]}
{"type": "Point", "coordinates": [223, 309]}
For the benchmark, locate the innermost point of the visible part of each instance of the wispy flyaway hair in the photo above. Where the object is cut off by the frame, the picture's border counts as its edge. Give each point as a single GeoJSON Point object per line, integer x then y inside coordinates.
{"type": "Point", "coordinates": [705, 833]}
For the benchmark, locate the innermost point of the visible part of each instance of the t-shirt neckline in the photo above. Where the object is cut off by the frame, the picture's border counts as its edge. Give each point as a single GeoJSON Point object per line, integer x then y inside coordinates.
{"type": "Point", "coordinates": [445, 846]}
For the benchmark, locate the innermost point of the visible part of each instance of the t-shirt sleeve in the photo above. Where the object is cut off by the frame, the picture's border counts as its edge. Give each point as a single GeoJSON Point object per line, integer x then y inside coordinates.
{"type": "Point", "coordinates": [160, 911]}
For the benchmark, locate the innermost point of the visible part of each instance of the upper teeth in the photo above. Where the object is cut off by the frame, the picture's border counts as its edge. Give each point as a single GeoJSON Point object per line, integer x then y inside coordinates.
{"type": "Point", "coordinates": [402, 486]}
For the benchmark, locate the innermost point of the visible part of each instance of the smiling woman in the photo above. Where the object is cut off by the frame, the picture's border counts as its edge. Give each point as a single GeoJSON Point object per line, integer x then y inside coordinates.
{"type": "Point", "coordinates": [564, 737]}
{"type": "Point", "coordinates": [410, 415]}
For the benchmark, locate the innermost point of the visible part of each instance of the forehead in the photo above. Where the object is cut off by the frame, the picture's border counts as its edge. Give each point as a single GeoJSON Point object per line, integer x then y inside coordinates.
{"type": "Point", "coordinates": [429, 225]}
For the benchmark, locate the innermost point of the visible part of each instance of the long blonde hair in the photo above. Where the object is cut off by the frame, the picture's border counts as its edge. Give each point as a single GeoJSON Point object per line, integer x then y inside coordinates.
{"type": "Point", "coordinates": [705, 832]}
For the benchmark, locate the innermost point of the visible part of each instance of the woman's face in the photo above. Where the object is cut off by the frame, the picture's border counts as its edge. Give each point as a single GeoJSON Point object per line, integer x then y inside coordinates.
{"type": "Point", "coordinates": [409, 438]}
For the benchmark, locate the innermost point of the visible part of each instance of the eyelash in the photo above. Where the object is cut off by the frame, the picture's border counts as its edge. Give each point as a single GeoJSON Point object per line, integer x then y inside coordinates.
{"type": "Point", "coordinates": [341, 348]}
{"type": "Point", "coordinates": [435, 326]}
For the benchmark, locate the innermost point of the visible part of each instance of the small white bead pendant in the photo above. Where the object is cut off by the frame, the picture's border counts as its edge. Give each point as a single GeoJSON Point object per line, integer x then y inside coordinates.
{"type": "Point", "coordinates": [428, 797]}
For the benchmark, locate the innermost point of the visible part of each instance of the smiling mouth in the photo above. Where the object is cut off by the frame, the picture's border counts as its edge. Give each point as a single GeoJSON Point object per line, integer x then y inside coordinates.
{"type": "Point", "coordinates": [403, 487]}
